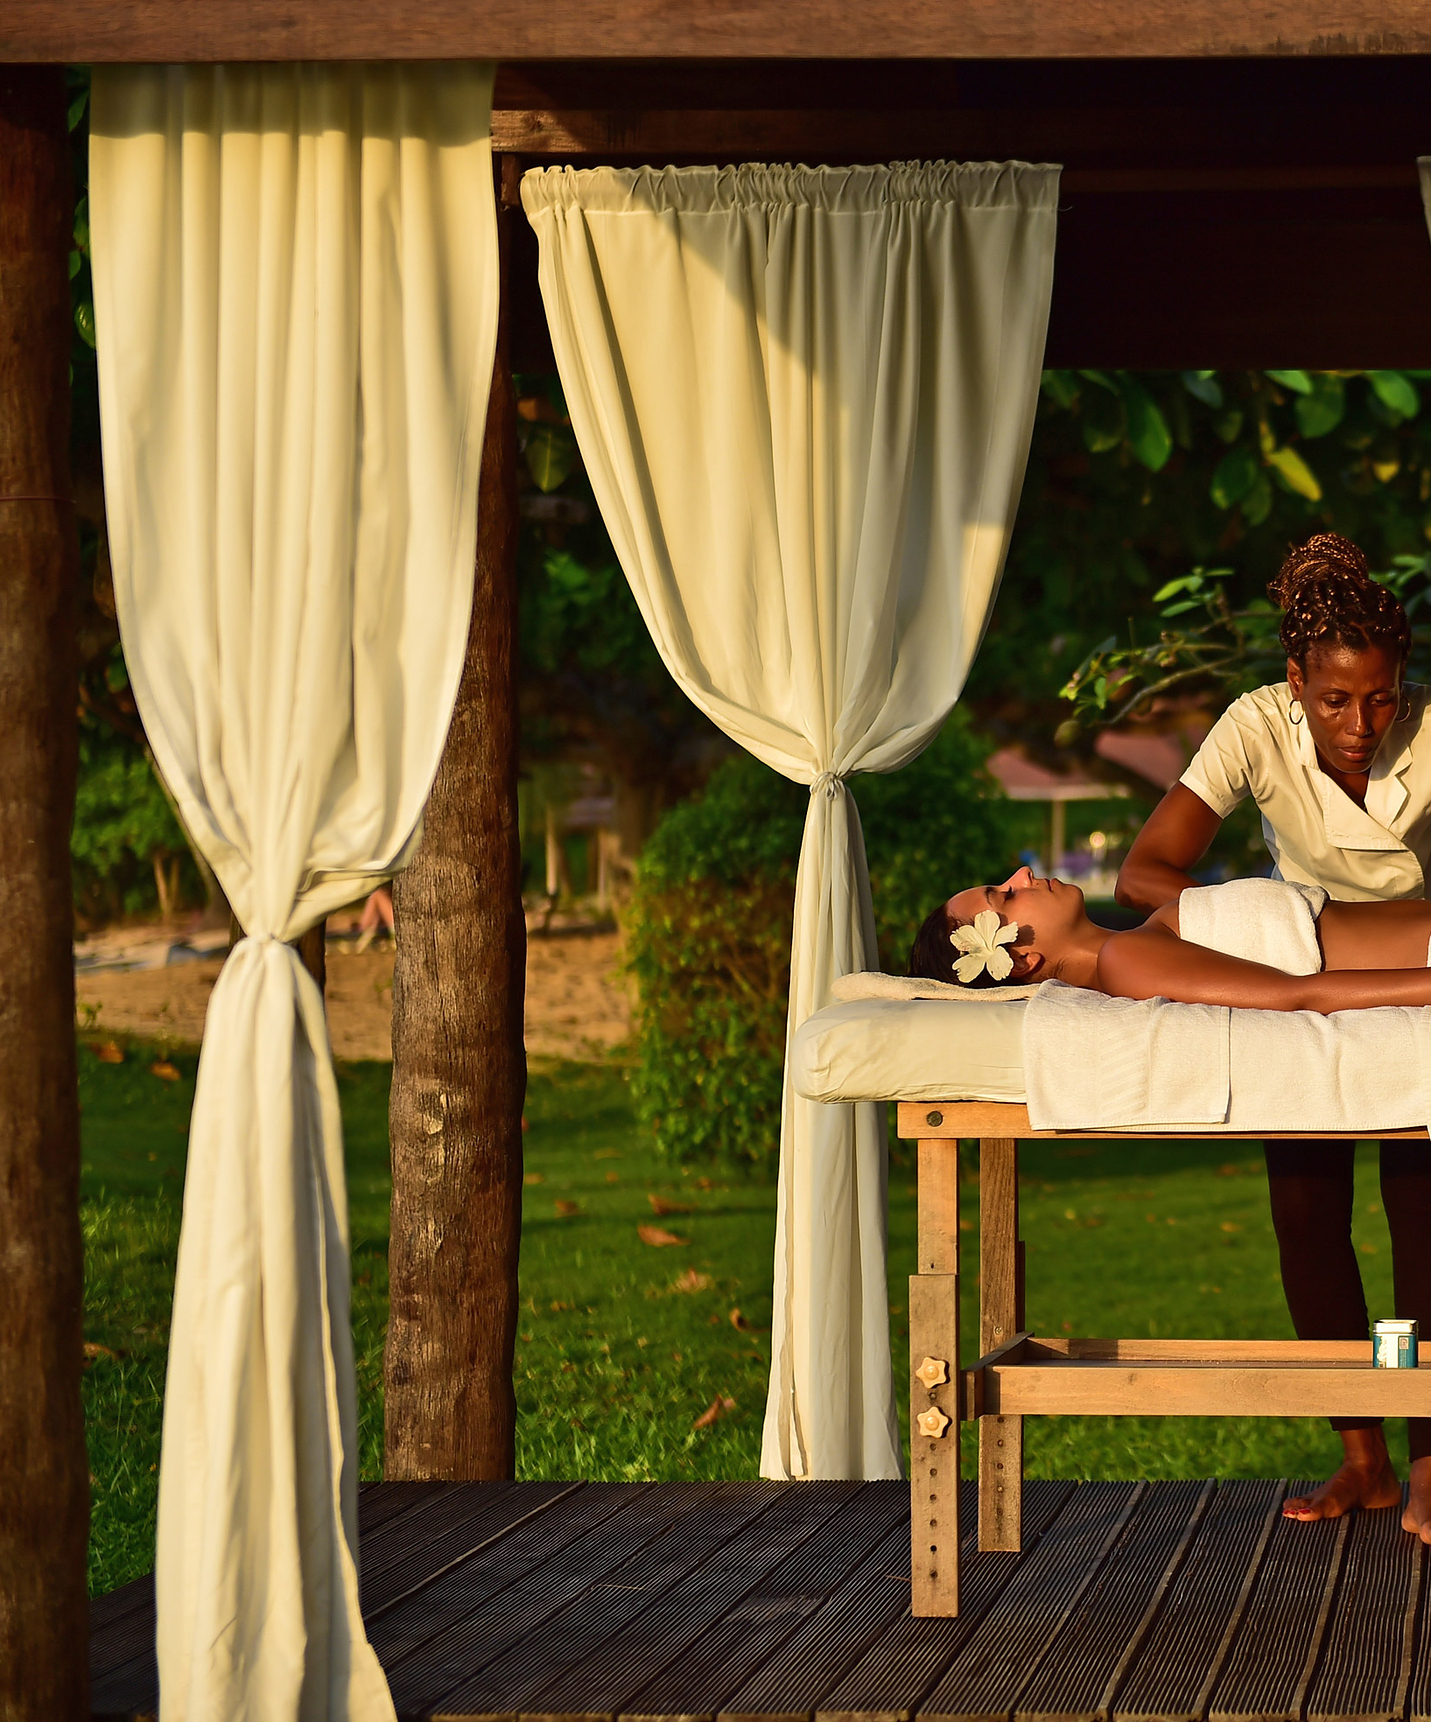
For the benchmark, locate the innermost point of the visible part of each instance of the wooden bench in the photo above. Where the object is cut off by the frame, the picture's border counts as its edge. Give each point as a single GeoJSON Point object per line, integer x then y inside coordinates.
{"type": "Point", "coordinates": [1019, 1374]}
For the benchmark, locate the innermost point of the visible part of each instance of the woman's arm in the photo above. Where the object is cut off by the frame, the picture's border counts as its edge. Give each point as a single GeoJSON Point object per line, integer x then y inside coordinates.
{"type": "Point", "coordinates": [1152, 962]}
{"type": "Point", "coordinates": [1175, 838]}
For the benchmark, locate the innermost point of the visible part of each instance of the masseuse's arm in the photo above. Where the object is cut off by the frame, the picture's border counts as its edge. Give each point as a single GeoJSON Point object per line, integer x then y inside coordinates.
{"type": "Point", "coordinates": [1152, 962]}
{"type": "Point", "coordinates": [1175, 838]}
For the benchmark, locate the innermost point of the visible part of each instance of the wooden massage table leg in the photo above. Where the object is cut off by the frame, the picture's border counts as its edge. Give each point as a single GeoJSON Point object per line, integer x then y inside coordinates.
{"type": "Point", "coordinates": [1001, 1316]}
{"type": "Point", "coordinates": [934, 1386]}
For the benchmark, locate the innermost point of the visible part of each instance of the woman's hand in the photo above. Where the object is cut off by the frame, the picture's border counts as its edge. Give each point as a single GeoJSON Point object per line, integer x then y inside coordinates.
{"type": "Point", "coordinates": [1175, 838]}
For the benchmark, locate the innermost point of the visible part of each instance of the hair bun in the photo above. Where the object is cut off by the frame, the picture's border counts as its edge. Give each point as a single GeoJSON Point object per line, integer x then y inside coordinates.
{"type": "Point", "coordinates": [1325, 555]}
{"type": "Point", "coordinates": [1330, 599]}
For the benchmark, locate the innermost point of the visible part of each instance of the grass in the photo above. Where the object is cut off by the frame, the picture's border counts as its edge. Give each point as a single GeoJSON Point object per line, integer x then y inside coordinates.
{"type": "Point", "coordinates": [623, 1345]}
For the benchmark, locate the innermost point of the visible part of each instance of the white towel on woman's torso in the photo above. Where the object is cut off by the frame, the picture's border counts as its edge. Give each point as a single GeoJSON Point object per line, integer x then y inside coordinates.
{"type": "Point", "coordinates": [1268, 921]}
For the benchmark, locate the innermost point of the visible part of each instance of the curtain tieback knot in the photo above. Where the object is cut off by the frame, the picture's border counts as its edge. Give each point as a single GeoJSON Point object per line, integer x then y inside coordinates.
{"type": "Point", "coordinates": [831, 782]}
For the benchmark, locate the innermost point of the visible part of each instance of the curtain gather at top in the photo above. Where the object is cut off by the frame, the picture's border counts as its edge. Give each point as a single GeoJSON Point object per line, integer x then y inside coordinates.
{"type": "Point", "coordinates": [804, 397]}
{"type": "Point", "coordinates": [295, 283]}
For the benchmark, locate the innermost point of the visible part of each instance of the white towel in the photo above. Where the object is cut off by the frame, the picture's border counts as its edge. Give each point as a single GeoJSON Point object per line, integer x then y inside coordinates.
{"type": "Point", "coordinates": [870, 984]}
{"type": "Point", "coordinates": [1268, 921]}
{"type": "Point", "coordinates": [1092, 1062]}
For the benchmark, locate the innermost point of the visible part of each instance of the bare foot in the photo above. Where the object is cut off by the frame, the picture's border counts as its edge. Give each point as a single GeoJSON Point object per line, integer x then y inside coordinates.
{"type": "Point", "coordinates": [1364, 1479]}
{"type": "Point", "coordinates": [1417, 1517]}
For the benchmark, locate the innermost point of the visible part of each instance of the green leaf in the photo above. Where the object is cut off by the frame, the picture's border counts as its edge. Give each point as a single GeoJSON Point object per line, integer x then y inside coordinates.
{"type": "Point", "coordinates": [1321, 411]}
{"type": "Point", "coordinates": [1203, 386]}
{"type": "Point", "coordinates": [1148, 433]}
{"type": "Point", "coordinates": [1395, 389]}
{"type": "Point", "coordinates": [1234, 477]}
{"type": "Point", "coordinates": [1103, 379]}
{"type": "Point", "coordinates": [1061, 387]}
{"type": "Point", "coordinates": [1229, 426]}
{"type": "Point", "coordinates": [1298, 381]}
{"type": "Point", "coordinates": [84, 321]}
{"type": "Point", "coordinates": [1187, 583]}
{"type": "Point", "coordinates": [1105, 422]}
{"type": "Point", "coordinates": [1257, 504]}
{"type": "Point", "coordinates": [76, 264]}
{"type": "Point", "coordinates": [81, 227]}
{"type": "Point", "coordinates": [1181, 606]}
{"type": "Point", "coordinates": [550, 454]}
{"type": "Point", "coordinates": [77, 108]}
{"type": "Point", "coordinates": [1298, 475]}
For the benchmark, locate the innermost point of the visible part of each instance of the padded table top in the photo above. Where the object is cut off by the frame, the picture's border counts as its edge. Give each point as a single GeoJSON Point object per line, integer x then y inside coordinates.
{"type": "Point", "coordinates": [917, 1049]}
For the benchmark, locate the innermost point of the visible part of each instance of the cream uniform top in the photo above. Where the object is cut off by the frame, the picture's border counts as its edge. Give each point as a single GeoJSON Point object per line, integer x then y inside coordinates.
{"type": "Point", "coordinates": [1316, 833]}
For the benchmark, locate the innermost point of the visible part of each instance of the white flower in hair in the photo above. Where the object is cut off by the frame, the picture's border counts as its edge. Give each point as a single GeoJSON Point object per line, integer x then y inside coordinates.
{"type": "Point", "coordinates": [982, 945]}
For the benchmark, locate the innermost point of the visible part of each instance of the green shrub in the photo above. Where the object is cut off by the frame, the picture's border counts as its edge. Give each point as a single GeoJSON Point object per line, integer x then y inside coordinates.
{"type": "Point", "coordinates": [710, 919]}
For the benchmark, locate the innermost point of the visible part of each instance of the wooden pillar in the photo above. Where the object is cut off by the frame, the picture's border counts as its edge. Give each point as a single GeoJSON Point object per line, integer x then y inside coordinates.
{"type": "Point", "coordinates": [459, 1063]}
{"type": "Point", "coordinates": [44, 1478]}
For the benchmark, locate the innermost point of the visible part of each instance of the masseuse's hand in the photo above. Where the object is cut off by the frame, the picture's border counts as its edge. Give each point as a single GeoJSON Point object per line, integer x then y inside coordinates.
{"type": "Point", "coordinates": [1175, 838]}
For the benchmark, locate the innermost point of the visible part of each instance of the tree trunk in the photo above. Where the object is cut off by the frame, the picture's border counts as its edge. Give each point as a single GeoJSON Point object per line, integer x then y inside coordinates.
{"type": "Point", "coordinates": [459, 1063]}
{"type": "Point", "coordinates": [44, 1479]}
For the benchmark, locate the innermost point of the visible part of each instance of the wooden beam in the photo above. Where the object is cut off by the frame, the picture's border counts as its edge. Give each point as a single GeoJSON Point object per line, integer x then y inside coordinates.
{"type": "Point", "coordinates": [44, 1495]}
{"type": "Point", "coordinates": [928, 1120]}
{"type": "Point", "coordinates": [159, 30]}
{"type": "Point", "coordinates": [459, 1063]}
{"type": "Point", "coordinates": [1071, 1388]}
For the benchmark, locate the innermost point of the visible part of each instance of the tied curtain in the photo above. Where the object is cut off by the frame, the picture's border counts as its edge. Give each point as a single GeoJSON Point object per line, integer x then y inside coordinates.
{"type": "Point", "coordinates": [804, 397]}
{"type": "Point", "coordinates": [295, 282]}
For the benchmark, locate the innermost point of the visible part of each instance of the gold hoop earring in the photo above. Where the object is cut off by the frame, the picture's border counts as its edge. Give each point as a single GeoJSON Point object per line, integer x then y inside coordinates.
{"type": "Point", "coordinates": [1296, 712]}
{"type": "Point", "coordinates": [1404, 712]}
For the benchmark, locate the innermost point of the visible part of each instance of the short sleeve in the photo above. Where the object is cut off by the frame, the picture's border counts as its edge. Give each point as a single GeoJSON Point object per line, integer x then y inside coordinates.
{"type": "Point", "coordinates": [1219, 772]}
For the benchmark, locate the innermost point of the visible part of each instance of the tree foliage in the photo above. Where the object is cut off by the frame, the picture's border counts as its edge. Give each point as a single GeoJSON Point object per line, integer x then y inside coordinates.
{"type": "Point", "coordinates": [1157, 508]}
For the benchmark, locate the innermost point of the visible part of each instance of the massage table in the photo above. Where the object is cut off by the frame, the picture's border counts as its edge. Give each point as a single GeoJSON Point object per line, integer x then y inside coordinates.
{"type": "Point", "coordinates": [955, 1072]}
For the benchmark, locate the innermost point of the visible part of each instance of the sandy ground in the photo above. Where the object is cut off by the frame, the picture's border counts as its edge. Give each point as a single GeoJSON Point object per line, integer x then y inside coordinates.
{"type": "Point", "coordinates": [577, 1002]}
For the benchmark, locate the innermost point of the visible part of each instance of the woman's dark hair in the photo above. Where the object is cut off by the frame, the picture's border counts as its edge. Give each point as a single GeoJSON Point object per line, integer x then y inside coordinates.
{"type": "Point", "coordinates": [932, 956]}
{"type": "Point", "coordinates": [1330, 600]}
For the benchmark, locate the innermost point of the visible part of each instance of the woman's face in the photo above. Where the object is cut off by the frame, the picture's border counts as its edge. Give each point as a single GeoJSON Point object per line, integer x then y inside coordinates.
{"type": "Point", "coordinates": [1351, 699]}
{"type": "Point", "coordinates": [1046, 912]}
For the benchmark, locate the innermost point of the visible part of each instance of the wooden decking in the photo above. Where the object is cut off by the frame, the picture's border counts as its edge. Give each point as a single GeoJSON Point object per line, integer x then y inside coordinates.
{"type": "Point", "coordinates": [743, 1600]}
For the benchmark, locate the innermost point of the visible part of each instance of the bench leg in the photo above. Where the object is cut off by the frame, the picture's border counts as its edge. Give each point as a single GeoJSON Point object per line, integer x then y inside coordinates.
{"type": "Point", "coordinates": [934, 1387]}
{"type": "Point", "coordinates": [1001, 1316]}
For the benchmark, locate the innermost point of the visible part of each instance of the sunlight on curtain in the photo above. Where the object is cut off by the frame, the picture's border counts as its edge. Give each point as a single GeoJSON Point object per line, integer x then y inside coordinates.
{"type": "Point", "coordinates": [804, 397]}
{"type": "Point", "coordinates": [295, 282]}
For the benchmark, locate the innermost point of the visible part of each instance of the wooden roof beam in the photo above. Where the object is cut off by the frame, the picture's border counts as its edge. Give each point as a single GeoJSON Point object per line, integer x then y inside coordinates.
{"type": "Point", "coordinates": [96, 31]}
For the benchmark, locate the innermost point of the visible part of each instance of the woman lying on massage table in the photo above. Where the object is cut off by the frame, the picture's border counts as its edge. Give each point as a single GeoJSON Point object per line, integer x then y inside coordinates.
{"type": "Point", "coordinates": [1364, 955]}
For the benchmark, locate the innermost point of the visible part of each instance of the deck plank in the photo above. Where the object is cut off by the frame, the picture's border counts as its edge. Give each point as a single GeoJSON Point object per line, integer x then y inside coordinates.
{"type": "Point", "coordinates": [597, 1650]}
{"type": "Point", "coordinates": [1365, 1671]}
{"type": "Point", "coordinates": [1093, 1645]}
{"type": "Point", "coordinates": [680, 1522]}
{"type": "Point", "coordinates": [702, 1674]}
{"type": "Point", "coordinates": [1173, 1675]}
{"type": "Point", "coordinates": [1279, 1642]}
{"type": "Point", "coordinates": [989, 1672]}
{"type": "Point", "coordinates": [467, 1517]}
{"type": "Point", "coordinates": [903, 1663]}
{"type": "Point", "coordinates": [378, 1502]}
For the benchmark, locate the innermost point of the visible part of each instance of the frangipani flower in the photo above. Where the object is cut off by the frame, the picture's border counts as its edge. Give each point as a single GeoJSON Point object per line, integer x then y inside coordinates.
{"type": "Point", "coordinates": [982, 945]}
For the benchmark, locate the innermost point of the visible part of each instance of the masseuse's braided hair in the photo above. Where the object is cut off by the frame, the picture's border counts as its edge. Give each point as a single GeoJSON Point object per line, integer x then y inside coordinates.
{"type": "Point", "coordinates": [1331, 600]}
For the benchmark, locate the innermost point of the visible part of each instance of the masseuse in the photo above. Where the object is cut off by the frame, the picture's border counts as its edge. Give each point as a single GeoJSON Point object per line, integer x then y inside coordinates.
{"type": "Point", "coordinates": [1338, 760]}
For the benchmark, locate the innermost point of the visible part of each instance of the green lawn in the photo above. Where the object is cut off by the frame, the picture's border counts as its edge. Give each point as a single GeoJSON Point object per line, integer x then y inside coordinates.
{"type": "Point", "coordinates": [623, 1345]}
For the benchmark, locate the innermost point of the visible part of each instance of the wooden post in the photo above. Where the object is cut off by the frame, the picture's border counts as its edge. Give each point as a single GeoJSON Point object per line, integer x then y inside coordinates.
{"type": "Point", "coordinates": [44, 1479]}
{"type": "Point", "coordinates": [459, 1063]}
{"type": "Point", "coordinates": [1001, 1316]}
{"type": "Point", "coordinates": [934, 1386]}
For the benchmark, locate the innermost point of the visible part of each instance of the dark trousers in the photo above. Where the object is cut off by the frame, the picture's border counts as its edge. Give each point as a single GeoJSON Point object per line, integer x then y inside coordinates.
{"type": "Point", "coordinates": [1310, 1185]}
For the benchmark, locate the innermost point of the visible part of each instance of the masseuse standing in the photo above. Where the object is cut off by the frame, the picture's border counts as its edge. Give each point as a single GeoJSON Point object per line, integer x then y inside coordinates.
{"type": "Point", "coordinates": [1338, 760]}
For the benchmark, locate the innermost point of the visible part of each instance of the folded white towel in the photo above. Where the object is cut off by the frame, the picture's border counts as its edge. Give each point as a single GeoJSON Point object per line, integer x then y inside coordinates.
{"type": "Point", "coordinates": [1092, 1062]}
{"type": "Point", "coordinates": [1268, 921]}
{"type": "Point", "coordinates": [870, 984]}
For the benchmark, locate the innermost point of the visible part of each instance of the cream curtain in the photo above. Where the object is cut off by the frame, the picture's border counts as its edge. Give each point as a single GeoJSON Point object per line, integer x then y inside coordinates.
{"type": "Point", "coordinates": [804, 398]}
{"type": "Point", "coordinates": [295, 276]}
